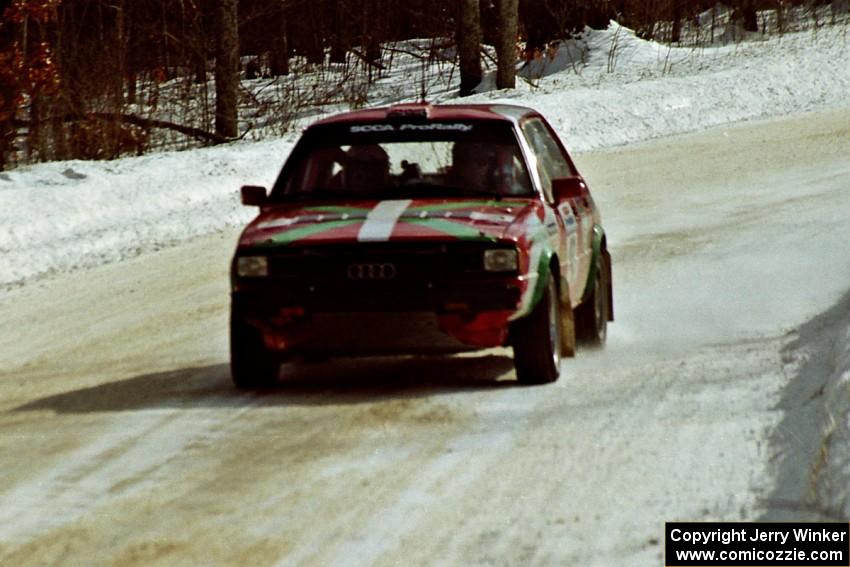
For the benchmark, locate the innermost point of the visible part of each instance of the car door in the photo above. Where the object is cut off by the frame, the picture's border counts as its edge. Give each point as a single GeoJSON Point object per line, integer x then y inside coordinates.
{"type": "Point", "coordinates": [576, 214]}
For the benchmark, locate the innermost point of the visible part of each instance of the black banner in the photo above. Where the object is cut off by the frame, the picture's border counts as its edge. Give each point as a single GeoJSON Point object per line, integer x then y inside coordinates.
{"type": "Point", "coordinates": [744, 544]}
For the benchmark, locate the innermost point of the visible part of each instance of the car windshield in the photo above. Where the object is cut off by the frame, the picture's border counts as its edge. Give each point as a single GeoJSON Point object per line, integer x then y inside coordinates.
{"type": "Point", "coordinates": [400, 160]}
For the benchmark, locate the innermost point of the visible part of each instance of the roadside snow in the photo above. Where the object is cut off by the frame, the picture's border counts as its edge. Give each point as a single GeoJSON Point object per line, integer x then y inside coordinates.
{"type": "Point", "coordinates": [632, 90]}
{"type": "Point", "coordinates": [62, 216]}
{"type": "Point", "coordinates": [813, 464]}
{"type": "Point", "coordinates": [57, 217]}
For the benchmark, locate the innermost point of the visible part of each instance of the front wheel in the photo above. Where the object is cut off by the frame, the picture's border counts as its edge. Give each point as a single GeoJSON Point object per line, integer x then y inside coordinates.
{"type": "Point", "coordinates": [252, 365]}
{"type": "Point", "coordinates": [537, 340]}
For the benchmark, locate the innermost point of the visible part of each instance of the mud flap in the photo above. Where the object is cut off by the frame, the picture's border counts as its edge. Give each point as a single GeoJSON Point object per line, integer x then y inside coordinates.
{"type": "Point", "coordinates": [568, 324]}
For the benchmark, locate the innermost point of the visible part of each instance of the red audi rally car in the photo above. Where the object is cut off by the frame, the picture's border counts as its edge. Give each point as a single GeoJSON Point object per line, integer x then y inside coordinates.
{"type": "Point", "coordinates": [417, 229]}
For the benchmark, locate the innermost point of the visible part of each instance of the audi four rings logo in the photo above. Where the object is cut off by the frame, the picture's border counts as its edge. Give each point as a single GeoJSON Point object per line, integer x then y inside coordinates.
{"type": "Point", "coordinates": [371, 271]}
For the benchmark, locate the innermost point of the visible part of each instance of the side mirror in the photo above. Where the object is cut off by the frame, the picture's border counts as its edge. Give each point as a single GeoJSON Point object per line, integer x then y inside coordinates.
{"type": "Point", "coordinates": [564, 188]}
{"type": "Point", "coordinates": [253, 195]}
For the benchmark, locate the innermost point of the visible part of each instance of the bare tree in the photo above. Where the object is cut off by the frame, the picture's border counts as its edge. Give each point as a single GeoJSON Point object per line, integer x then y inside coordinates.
{"type": "Point", "coordinates": [750, 16]}
{"type": "Point", "coordinates": [279, 57]}
{"type": "Point", "coordinates": [469, 46]}
{"type": "Point", "coordinates": [226, 69]}
{"type": "Point", "coordinates": [676, 32]}
{"type": "Point", "coordinates": [506, 45]}
{"type": "Point", "coordinates": [27, 71]}
{"type": "Point", "coordinates": [340, 34]}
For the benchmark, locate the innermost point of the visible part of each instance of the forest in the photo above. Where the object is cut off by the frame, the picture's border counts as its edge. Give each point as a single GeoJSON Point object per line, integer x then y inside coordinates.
{"type": "Point", "coordinates": [97, 79]}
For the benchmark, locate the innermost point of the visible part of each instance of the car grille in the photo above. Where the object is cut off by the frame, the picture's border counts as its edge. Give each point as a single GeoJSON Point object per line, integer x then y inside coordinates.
{"type": "Point", "coordinates": [382, 277]}
{"type": "Point", "coordinates": [377, 264]}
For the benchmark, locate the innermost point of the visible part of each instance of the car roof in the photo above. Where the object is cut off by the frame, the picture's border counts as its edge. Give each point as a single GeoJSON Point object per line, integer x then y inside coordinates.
{"type": "Point", "coordinates": [431, 112]}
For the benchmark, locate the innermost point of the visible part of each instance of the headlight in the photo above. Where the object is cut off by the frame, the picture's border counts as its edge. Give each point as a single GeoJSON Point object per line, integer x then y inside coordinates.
{"type": "Point", "coordinates": [252, 266]}
{"type": "Point", "coordinates": [500, 260]}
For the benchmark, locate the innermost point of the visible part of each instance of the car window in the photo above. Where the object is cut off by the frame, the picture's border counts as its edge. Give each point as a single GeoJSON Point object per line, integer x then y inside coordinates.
{"type": "Point", "coordinates": [551, 163]}
{"type": "Point", "coordinates": [389, 161]}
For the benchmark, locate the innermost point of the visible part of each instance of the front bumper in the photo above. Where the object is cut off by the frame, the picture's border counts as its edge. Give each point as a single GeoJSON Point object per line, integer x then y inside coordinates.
{"type": "Point", "coordinates": [311, 318]}
{"type": "Point", "coordinates": [439, 299]}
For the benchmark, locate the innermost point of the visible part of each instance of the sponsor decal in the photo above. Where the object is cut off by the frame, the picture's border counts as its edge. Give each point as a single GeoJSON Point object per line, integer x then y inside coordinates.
{"type": "Point", "coordinates": [308, 219]}
{"type": "Point", "coordinates": [572, 255]}
{"type": "Point", "coordinates": [366, 128]}
{"type": "Point", "coordinates": [461, 231]}
{"type": "Point", "coordinates": [433, 127]}
{"type": "Point", "coordinates": [533, 290]}
{"type": "Point", "coordinates": [484, 217]}
{"type": "Point", "coordinates": [303, 232]}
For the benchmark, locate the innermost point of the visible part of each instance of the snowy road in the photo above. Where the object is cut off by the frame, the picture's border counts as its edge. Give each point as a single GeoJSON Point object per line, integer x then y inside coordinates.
{"type": "Point", "coordinates": [123, 443]}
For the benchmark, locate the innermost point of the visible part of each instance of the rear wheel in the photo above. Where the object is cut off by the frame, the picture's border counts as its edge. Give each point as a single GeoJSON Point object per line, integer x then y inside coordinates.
{"type": "Point", "coordinates": [537, 340]}
{"type": "Point", "coordinates": [252, 365]}
{"type": "Point", "coordinates": [592, 315]}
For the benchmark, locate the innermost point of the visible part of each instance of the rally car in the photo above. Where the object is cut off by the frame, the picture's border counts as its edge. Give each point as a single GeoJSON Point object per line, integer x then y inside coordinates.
{"type": "Point", "coordinates": [416, 229]}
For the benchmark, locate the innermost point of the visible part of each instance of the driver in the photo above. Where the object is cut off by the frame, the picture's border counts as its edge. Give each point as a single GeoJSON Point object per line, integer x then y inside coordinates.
{"type": "Point", "coordinates": [472, 164]}
{"type": "Point", "coordinates": [366, 168]}
{"type": "Point", "coordinates": [495, 168]}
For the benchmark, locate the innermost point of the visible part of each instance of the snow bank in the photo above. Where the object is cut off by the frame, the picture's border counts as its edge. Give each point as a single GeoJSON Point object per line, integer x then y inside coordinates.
{"type": "Point", "coordinates": [630, 90]}
{"type": "Point", "coordinates": [63, 216]}
{"type": "Point", "coordinates": [813, 476]}
{"type": "Point", "coordinates": [840, 411]}
{"type": "Point", "coordinates": [833, 484]}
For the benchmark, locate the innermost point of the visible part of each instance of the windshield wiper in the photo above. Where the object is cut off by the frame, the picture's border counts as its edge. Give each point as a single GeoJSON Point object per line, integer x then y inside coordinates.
{"type": "Point", "coordinates": [335, 194]}
{"type": "Point", "coordinates": [425, 189]}
{"type": "Point", "coordinates": [420, 190]}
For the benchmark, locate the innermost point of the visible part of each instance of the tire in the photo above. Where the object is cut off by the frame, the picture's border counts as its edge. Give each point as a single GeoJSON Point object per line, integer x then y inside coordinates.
{"type": "Point", "coordinates": [593, 315]}
{"type": "Point", "coordinates": [252, 365]}
{"type": "Point", "coordinates": [536, 340]}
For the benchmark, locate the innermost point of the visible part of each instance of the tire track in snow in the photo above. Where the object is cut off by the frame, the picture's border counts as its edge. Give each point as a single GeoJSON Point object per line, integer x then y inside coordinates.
{"type": "Point", "coordinates": [130, 457]}
{"type": "Point", "coordinates": [443, 478]}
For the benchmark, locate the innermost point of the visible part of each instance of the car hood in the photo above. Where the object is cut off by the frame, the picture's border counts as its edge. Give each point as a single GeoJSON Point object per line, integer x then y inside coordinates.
{"type": "Point", "coordinates": [391, 220]}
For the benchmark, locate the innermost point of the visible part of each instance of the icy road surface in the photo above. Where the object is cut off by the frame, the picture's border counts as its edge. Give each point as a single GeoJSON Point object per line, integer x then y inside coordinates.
{"type": "Point", "coordinates": [122, 441]}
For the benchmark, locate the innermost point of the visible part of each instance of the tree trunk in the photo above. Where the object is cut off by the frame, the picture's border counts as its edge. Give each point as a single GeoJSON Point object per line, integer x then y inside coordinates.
{"type": "Point", "coordinates": [506, 45]}
{"type": "Point", "coordinates": [226, 69]}
{"type": "Point", "coordinates": [536, 20]}
{"type": "Point", "coordinates": [676, 33]}
{"type": "Point", "coordinates": [279, 56]}
{"type": "Point", "coordinates": [8, 108]}
{"type": "Point", "coordinates": [7, 135]}
{"type": "Point", "coordinates": [34, 136]}
{"type": "Point", "coordinates": [469, 46]}
{"type": "Point", "coordinates": [340, 36]}
{"type": "Point", "coordinates": [315, 31]}
{"type": "Point", "coordinates": [59, 104]}
{"type": "Point", "coordinates": [748, 11]}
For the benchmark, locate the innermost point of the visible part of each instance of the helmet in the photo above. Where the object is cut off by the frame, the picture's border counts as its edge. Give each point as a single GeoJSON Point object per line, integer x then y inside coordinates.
{"type": "Point", "coordinates": [366, 167]}
{"type": "Point", "coordinates": [473, 164]}
{"type": "Point", "coordinates": [367, 153]}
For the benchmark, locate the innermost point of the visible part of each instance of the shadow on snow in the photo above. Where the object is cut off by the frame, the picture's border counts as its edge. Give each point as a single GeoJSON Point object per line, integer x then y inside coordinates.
{"type": "Point", "coordinates": [341, 381]}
